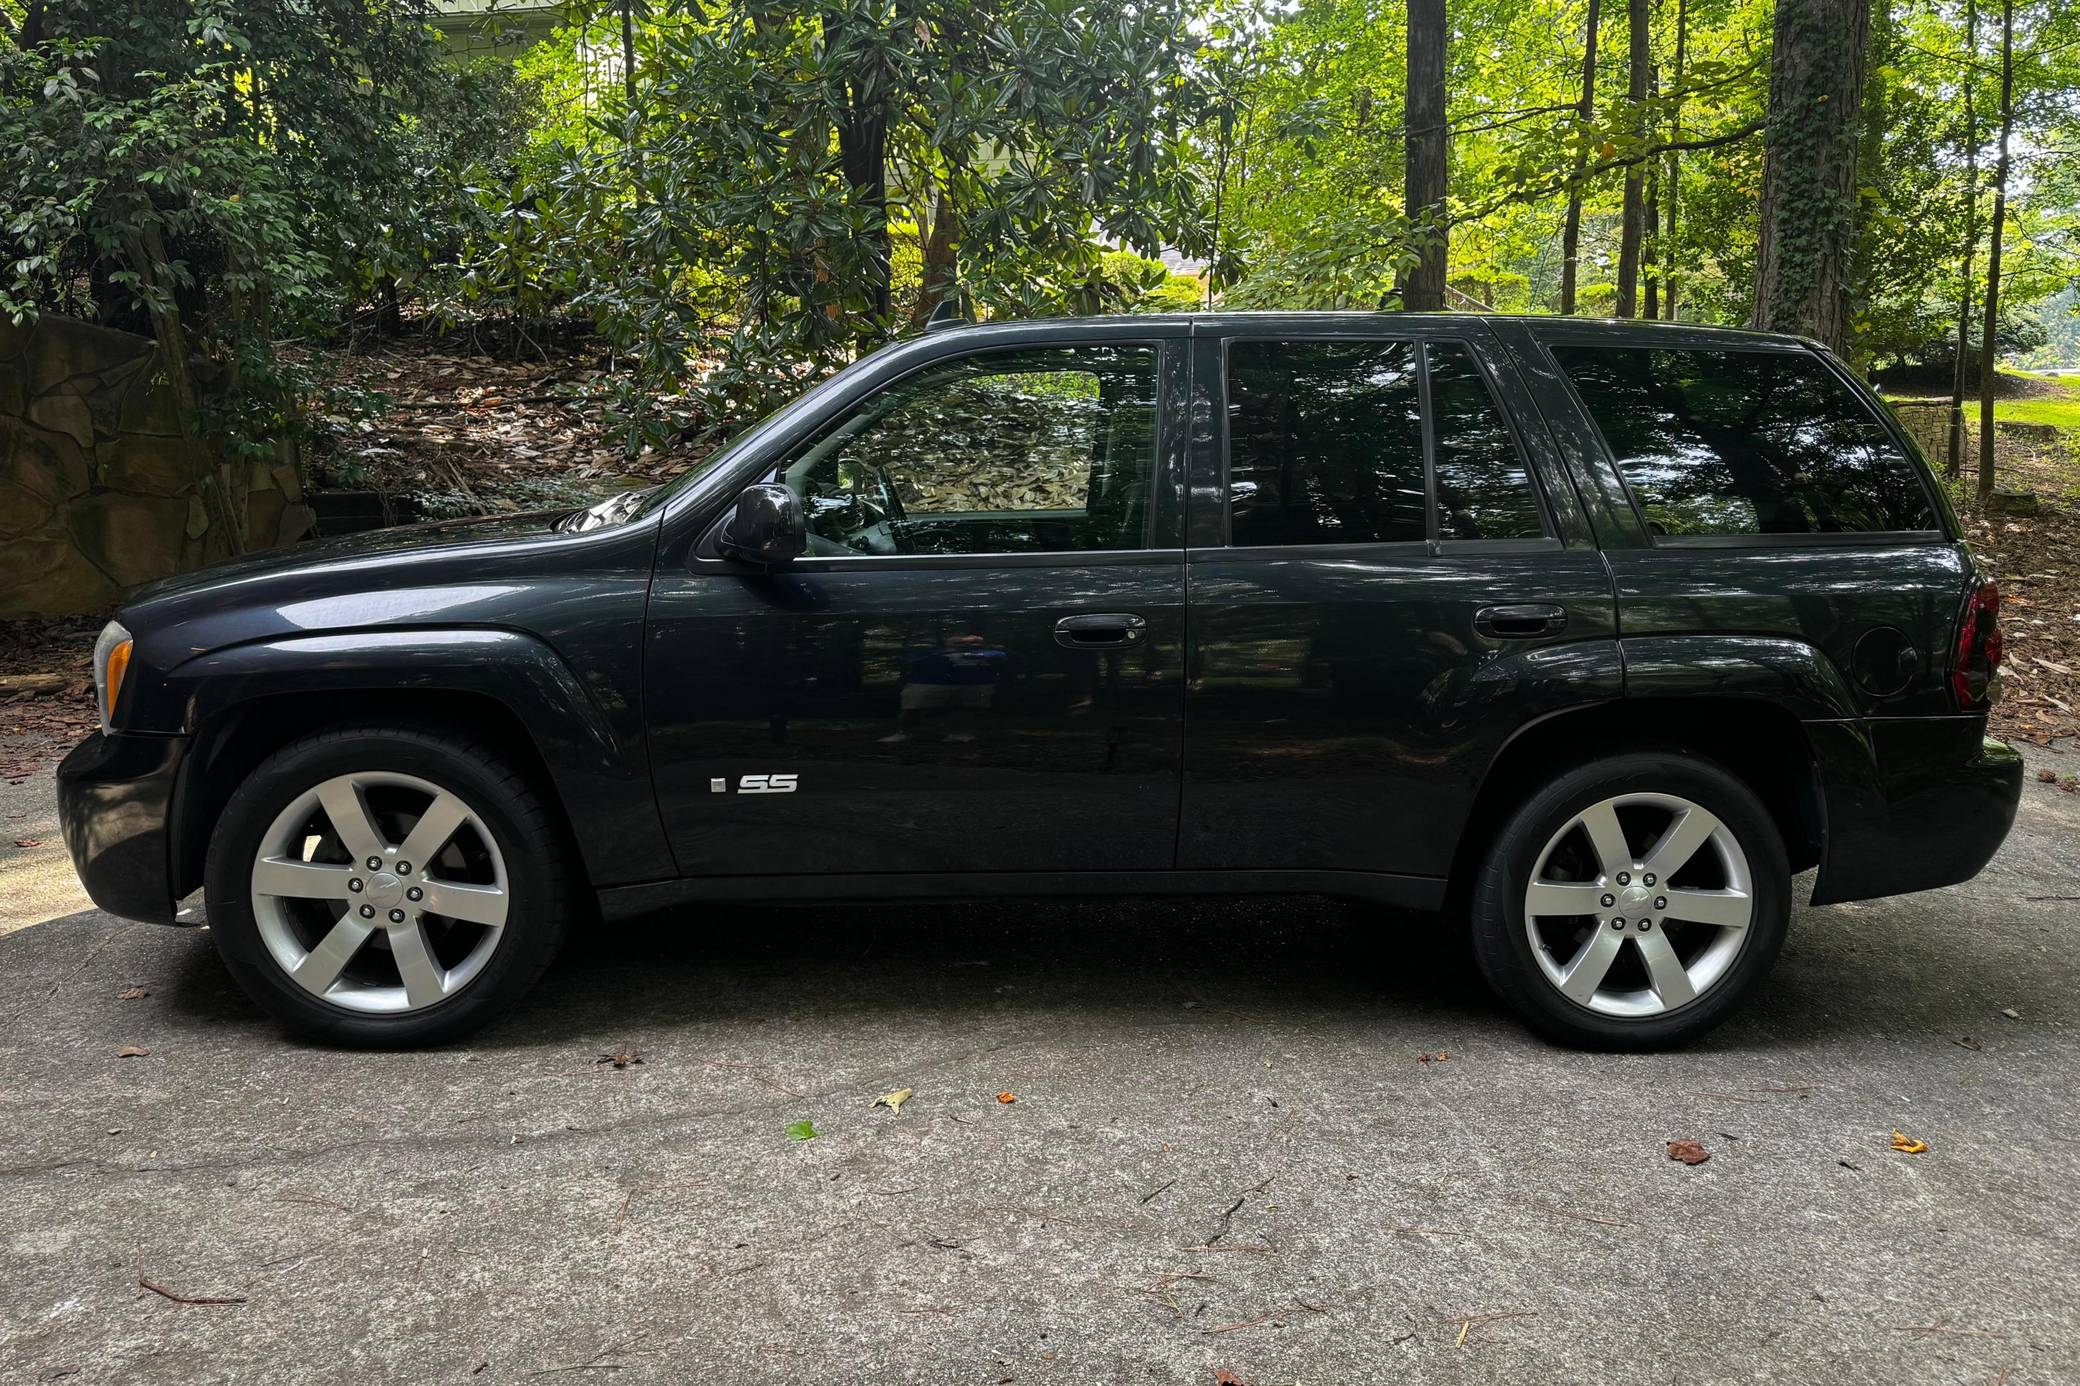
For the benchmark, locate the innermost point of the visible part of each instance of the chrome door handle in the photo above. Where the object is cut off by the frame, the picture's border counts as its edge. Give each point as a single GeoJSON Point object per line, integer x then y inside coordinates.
{"type": "Point", "coordinates": [1100, 630]}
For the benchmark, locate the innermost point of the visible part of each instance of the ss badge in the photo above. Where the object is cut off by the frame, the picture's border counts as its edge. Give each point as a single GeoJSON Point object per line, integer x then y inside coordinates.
{"type": "Point", "coordinates": [756, 784]}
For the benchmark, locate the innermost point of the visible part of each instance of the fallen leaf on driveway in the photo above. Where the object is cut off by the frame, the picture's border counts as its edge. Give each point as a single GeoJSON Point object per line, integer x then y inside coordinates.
{"type": "Point", "coordinates": [803, 1131]}
{"type": "Point", "coordinates": [893, 1100]}
{"type": "Point", "coordinates": [1007, 1097]}
{"type": "Point", "coordinates": [28, 842]}
{"type": "Point", "coordinates": [133, 1051]}
{"type": "Point", "coordinates": [133, 993]}
{"type": "Point", "coordinates": [1906, 1144]}
{"type": "Point", "coordinates": [1689, 1152]}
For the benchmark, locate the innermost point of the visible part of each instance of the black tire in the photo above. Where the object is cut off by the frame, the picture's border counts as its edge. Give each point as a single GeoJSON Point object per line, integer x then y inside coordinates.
{"type": "Point", "coordinates": [544, 887]}
{"type": "Point", "coordinates": [1504, 952]}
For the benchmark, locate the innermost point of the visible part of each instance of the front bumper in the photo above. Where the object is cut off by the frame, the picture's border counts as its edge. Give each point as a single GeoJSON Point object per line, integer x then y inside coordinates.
{"type": "Point", "coordinates": [114, 793]}
{"type": "Point", "coordinates": [1911, 803]}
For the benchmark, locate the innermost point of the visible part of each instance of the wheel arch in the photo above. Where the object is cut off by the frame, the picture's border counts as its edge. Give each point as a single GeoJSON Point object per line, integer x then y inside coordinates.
{"type": "Point", "coordinates": [241, 704]}
{"type": "Point", "coordinates": [1759, 742]}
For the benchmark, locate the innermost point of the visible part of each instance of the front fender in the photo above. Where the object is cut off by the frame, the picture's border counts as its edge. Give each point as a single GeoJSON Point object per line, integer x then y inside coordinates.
{"type": "Point", "coordinates": [588, 736]}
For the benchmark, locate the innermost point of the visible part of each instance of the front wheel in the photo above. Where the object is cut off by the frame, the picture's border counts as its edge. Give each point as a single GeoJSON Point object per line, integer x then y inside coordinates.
{"type": "Point", "coordinates": [387, 885]}
{"type": "Point", "coordinates": [1632, 903]}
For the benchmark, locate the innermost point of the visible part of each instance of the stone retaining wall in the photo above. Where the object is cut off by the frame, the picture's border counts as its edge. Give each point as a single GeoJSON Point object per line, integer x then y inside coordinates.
{"type": "Point", "coordinates": [101, 488]}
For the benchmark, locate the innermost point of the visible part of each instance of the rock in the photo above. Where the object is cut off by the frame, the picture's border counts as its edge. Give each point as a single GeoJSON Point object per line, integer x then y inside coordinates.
{"type": "Point", "coordinates": [22, 511]}
{"type": "Point", "coordinates": [148, 407]}
{"type": "Point", "coordinates": [137, 538]}
{"type": "Point", "coordinates": [263, 516]}
{"type": "Point", "coordinates": [154, 465]}
{"type": "Point", "coordinates": [53, 465]}
{"type": "Point", "coordinates": [51, 577]}
{"type": "Point", "coordinates": [2006, 502]}
{"type": "Point", "coordinates": [296, 522]}
{"type": "Point", "coordinates": [65, 413]}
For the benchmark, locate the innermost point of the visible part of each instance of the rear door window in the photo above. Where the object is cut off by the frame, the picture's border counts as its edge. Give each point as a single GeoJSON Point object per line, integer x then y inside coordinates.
{"type": "Point", "coordinates": [1718, 443]}
{"type": "Point", "coordinates": [1326, 446]}
{"type": "Point", "coordinates": [1325, 443]}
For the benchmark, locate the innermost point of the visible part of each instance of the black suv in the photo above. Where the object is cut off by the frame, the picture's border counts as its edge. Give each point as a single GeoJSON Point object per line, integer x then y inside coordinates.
{"type": "Point", "coordinates": [1590, 633]}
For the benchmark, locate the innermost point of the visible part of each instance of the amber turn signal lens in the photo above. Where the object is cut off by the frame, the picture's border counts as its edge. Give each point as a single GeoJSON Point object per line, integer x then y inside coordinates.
{"type": "Point", "coordinates": [112, 680]}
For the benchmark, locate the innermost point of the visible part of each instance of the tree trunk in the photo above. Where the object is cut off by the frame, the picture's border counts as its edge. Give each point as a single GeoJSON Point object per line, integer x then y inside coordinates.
{"type": "Point", "coordinates": [1988, 345]}
{"type": "Point", "coordinates": [1585, 110]}
{"type": "Point", "coordinates": [1953, 461]}
{"type": "Point", "coordinates": [863, 155]}
{"type": "Point", "coordinates": [1422, 284]}
{"type": "Point", "coordinates": [1650, 306]}
{"type": "Point", "coordinates": [1675, 165]}
{"type": "Point", "coordinates": [1632, 230]}
{"type": "Point", "coordinates": [942, 268]}
{"type": "Point", "coordinates": [1809, 213]}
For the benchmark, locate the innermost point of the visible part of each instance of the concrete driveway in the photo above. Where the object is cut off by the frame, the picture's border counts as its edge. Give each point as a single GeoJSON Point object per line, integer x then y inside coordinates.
{"type": "Point", "coordinates": [1227, 1154]}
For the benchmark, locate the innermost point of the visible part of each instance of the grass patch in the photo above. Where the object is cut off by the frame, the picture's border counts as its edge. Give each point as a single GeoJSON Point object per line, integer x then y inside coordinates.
{"type": "Point", "coordinates": [2060, 411]}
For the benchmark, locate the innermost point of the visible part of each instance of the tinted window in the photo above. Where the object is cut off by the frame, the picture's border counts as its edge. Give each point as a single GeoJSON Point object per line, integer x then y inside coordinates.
{"type": "Point", "coordinates": [1483, 491]}
{"type": "Point", "coordinates": [1745, 442]}
{"type": "Point", "coordinates": [1044, 451]}
{"type": "Point", "coordinates": [1325, 443]}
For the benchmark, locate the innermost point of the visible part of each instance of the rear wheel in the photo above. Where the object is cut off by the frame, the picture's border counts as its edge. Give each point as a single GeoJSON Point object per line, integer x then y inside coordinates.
{"type": "Point", "coordinates": [1633, 903]}
{"type": "Point", "coordinates": [387, 885]}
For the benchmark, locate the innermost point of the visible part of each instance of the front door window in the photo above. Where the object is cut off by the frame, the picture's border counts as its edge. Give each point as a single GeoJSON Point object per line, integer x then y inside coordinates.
{"type": "Point", "coordinates": [1049, 450]}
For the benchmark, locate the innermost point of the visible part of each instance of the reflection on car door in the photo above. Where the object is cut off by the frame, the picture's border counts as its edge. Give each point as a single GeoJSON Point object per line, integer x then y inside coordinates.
{"type": "Point", "coordinates": [978, 664]}
{"type": "Point", "coordinates": [1388, 576]}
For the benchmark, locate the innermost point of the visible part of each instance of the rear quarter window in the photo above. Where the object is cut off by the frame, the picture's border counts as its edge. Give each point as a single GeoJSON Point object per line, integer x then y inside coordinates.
{"type": "Point", "coordinates": [1719, 442]}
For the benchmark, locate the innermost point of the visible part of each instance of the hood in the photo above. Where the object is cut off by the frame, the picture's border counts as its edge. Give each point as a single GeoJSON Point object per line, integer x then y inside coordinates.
{"type": "Point", "coordinates": [433, 537]}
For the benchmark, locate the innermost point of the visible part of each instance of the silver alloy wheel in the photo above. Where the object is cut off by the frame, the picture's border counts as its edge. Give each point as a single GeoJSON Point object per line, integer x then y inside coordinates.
{"type": "Point", "coordinates": [380, 892]}
{"type": "Point", "coordinates": [1666, 877]}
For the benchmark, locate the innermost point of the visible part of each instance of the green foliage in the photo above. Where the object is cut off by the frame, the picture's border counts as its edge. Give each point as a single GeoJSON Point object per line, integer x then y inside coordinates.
{"type": "Point", "coordinates": [777, 190]}
{"type": "Point", "coordinates": [750, 212]}
{"type": "Point", "coordinates": [209, 174]}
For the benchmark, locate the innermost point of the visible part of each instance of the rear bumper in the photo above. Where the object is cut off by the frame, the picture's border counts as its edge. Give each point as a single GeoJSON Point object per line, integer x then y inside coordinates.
{"type": "Point", "coordinates": [1911, 803]}
{"type": "Point", "coordinates": [113, 797]}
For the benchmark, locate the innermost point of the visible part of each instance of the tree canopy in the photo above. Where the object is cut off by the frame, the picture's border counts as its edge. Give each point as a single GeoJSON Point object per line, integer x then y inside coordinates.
{"type": "Point", "coordinates": [737, 197]}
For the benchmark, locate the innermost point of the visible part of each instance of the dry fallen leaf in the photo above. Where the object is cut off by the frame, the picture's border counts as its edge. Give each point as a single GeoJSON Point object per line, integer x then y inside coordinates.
{"type": "Point", "coordinates": [1689, 1152]}
{"type": "Point", "coordinates": [2047, 777]}
{"type": "Point", "coordinates": [28, 842]}
{"type": "Point", "coordinates": [1906, 1144]}
{"type": "Point", "coordinates": [1007, 1097]}
{"type": "Point", "coordinates": [133, 1051]}
{"type": "Point", "coordinates": [133, 993]}
{"type": "Point", "coordinates": [893, 1100]}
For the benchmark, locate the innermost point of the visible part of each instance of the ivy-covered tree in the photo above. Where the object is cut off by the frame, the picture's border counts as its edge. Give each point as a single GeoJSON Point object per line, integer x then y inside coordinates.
{"type": "Point", "coordinates": [1808, 210]}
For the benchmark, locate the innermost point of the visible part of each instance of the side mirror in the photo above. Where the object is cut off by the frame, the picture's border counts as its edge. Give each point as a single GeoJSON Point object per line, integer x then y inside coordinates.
{"type": "Point", "coordinates": [768, 526]}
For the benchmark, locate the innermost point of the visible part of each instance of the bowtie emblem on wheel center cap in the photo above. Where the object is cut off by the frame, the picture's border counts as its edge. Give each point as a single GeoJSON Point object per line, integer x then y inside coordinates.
{"type": "Point", "coordinates": [385, 891]}
{"type": "Point", "coordinates": [1634, 898]}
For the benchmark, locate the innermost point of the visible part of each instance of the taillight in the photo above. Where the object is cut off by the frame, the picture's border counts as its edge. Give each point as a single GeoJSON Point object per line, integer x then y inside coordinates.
{"type": "Point", "coordinates": [1978, 646]}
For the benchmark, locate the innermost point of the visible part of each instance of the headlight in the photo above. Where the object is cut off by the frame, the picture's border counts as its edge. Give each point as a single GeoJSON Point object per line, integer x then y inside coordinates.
{"type": "Point", "coordinates": [111, 662]}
